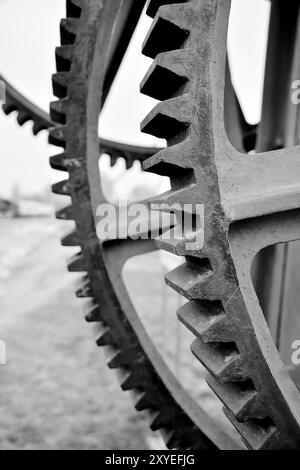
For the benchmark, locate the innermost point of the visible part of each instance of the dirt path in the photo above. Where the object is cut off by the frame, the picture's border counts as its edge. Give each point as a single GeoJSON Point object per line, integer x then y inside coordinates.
{"type": "Point", "coordinates": [56, 391]}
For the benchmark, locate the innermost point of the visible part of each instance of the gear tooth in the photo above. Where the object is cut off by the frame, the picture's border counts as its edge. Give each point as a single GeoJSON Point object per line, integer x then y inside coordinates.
{"type": "Point", "coordinates": [83, 288]}
{"type": "Point", "coordinates": [57, 136]}
{"type": "Point", "coordinates": [129, 164]}
{"type": "Point", "coordinates": [23, 117]}
{"type": "Point", "coordinates": [92, 313]}
{"type": "Point", "coordinates": [158, 421]}
{"type": "Point", "coordinates": [240, 398]}
{"type": "Point", "coordinates": [64, 55]}
{"type": "Point", "coordinates": [77, 263]}
{"type": "Point", "coordinates": [174, 242]}
{"type": "Point", "coordinates": [222, 360]}
{"type": "Point", "coordinates": [167, 75]}
{"type": "Point", "coordinates": [169, 30]}
{"type": "Point", "coordinates": [117, 360]}
{"type": "Point", "coordinates": [58, 110]}
{"type": "Point", "coordinates": [193, 280]}
{"type": "Point", "coordinates": [74, 8]}
{"type": "Point", "coordinates": [169, 118]}
{"type": "Point", "coordinates": [68, 31]}
{"type": "Point", "coordinates": [141, 401]}
{"type": "Point", "coordinates": [174, 197]}
{"type": "Point", "coordinates": [154, 5]}
{"type": "Point", "coordinates": [62, 188]}
{"type": "Point", "coordinates": [130, 380]}
{"type": "Point", "coordinates": [171, 439]}
{"type": "Point", "coordinates": [59, 162]}
{"type": "Point", "coordinates": [67, 213]}
{"type": "Point", "coordinates": [60, 82]}
{"type": "Point", "coordinates": [105, 338]}
{"type": "Point", "coordinates": [71, 239]}
{"type": "Point", "coordinates": [206, 320]}
{"type": "Point", "coordinates": [257, 434]}
{"type": "Point", "coordinates": [38, 127]}
{"type": "Point", "coordinates": [8, 108]}
{"type": "Point", "coordinates": [172, 162]}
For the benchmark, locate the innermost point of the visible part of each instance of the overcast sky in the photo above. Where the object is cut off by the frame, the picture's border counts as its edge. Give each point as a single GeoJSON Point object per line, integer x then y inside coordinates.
{"type": "Point", "coordinates": [29, 34]}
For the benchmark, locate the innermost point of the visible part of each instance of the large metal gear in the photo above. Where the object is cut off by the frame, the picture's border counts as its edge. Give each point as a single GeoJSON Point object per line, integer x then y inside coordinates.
{"type": "Point", "coordinates": [250, 203]}
{"type": "Point", "coordinates": [140, 368]}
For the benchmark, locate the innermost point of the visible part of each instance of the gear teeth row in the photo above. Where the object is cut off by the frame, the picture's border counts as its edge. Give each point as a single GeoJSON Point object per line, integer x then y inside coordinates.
{"type": "Point", "coordinates": [166, 76]}
{"type": "Point", "coordinates": [172, 24]}
{"type": "Point", "coordinates": [125, 358]}
{"type": "Point", "coordinates": [169, 118]}
{"type": "Point", "coordinates": [206, 320]}
{"type": "Point", "coordinates": [222, 360]}
{"type": "Point", "coordinates": [154, 5]}
{"type": "Point", "coordinates": [215, 346]}
{"type": "Point", "coordinates": [194, 280]}
{"type": "Point", "coordinates": [25, 116]}
{"type": "Point", "coordinates": [26, 111]}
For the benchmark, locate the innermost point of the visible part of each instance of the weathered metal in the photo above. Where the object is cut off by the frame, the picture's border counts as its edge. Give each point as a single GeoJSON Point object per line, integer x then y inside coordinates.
{"type": "Point", "coordinates": [140, 367]}
{"type": "Point", "coordinates": [251, 202]}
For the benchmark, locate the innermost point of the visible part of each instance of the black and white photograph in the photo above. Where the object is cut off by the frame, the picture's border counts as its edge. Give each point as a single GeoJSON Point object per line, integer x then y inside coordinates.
{"type": "Point", "coordinates": [150, 228]}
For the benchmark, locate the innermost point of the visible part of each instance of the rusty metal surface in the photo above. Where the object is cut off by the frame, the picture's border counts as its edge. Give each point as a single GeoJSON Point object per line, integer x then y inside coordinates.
{"type": "Point", "coordinates": [250, 203]}
{"type": "Point", "coordinates": [140, 367]}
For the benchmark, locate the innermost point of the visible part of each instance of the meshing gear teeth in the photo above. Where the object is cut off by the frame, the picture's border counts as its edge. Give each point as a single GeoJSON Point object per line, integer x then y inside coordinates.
{"type": "Point", "coordinates": [124, 350]}
{"type": "Point", "coordinates": [259, 403]}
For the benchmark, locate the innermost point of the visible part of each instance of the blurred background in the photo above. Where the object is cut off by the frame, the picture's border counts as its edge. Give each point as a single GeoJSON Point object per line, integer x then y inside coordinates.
{"type": "Point", "coordinates": [56, 391]}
